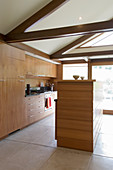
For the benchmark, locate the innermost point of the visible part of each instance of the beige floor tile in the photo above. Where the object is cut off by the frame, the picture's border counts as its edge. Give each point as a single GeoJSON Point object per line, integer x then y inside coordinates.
{"type": "Point", "coordinates": [9, 148]}
{"type": "Point", "coordinates": [49, 121]}
{"type": "Point", "coordinates": [10, 166]}
{"type": "Point", "coordinates": [100, 163]}
{"type": "Point", "coordinates": [47, 139]}
{"type": "Point", "coordinates": [32, 157]}
{"type": "Point", "coordinates": [28, 134]}
{"type": "Point", "coordinates": [67, 159]}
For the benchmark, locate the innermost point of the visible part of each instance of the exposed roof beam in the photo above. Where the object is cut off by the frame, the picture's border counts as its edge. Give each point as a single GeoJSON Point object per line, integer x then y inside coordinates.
{"type": "Point", "coordinates": [2, 38]}
{"type": "Point", "coordinates": [91, 49]}
{"type": "Point", "coordinates": [30, 49]}
{"type": "Point", "coordinates": [71, 45]}
{"type": "Point", "coordinates": [97, 27]}
{"type": "Point", "coordinates": [41, 14]}
{"type": "Point", "coordinates": [101, 60]}
{"type": "Point", "coordinates": [96, 53]}
{"type": "Point", "coordinates": [73, 61]}
{"type": "Point", "coordinates": [24, 47]}
{"type": "Point", "coordinates": [88, 51]}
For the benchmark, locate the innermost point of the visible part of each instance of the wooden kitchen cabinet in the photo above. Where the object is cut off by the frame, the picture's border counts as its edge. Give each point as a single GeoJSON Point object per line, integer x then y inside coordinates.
{"type": "Point", "coordinates": [12, 89]}
{"type": "Point", "coordinates": [35, 108]}
{"type": "Point", "coordinates": [11, 52]}
{"type": "Point", "coordinates": [12, 62]}
{"type": "Point", "coordinates": [15, 104]}
{"type": "Point", "coordinates": [15, 68]}
{"type": "Point", "coordinates": [2, 67]}
{"type": "Point", "coordinates": [38, 67]}
{"type": "Point", "coordinates": [3, 113]}
{"type": "Point", "coordinates": [30, 66]}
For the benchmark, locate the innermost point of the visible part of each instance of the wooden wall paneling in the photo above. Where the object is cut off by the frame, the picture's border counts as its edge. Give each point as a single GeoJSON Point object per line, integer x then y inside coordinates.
{"type": "Point", "coordinates": [75, 114]}
{"type": "Point", "coordinates": [3, 105]}
{"type": "Point", "coordinates": [76, 144]}
{"type": "Point", "coordinates": [72, 114]}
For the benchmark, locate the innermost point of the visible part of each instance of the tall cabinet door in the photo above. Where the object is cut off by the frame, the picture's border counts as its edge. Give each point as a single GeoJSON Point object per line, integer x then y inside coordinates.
{"type": "Point", "coordinates": [15, 104]}
{"type": "Point", "coordinates": [3, 104]}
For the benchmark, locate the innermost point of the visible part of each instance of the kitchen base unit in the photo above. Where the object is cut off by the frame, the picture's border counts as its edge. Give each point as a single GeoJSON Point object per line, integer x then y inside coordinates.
{"type": "Point", "coordinates": [78, 114]}
{"type": "Point", "coordinates": [39, 106]}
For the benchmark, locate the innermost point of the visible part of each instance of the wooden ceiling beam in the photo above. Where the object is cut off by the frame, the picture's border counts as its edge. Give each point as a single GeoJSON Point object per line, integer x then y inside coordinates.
{"type": "Point", "coordinates": [101, 60]}
{"type": "Point", "coordinates": [2, 38]}
{"type": "Point", "coordinates": [97, 27]}
{"type": "Point", "coordinates": [41, 14]}
{"type": "Point", "coordinates": [84, 54]}
{"type": "Point", "coordinates": [73, 61]}
{"type": "Point", "coordinates": [71, 45]}
{"type": "Point", "coordinates": [24, 47]}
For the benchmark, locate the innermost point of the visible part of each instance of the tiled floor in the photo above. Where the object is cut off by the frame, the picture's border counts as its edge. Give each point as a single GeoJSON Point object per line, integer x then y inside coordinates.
{"type": "Point", "coordinates": [34, 148]}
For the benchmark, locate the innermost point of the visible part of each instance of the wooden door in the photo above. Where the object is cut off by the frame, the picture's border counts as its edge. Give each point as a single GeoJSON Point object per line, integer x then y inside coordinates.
{"type": "Point", "coordinates": [30, 69]}
{"type": "Point", "coordinates": [14, 68]}
{"type": "Point", "coordinates": [3, 104]}
{"type": "Point", "coordinates": [15, 104]}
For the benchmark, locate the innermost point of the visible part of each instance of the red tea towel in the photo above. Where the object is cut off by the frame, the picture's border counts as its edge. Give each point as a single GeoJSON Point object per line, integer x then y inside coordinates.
{"type": "Point", "coordinates": [49, 101]}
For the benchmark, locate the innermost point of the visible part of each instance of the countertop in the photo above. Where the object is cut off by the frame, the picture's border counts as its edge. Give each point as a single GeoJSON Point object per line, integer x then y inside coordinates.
{"type": "Point", "coordinates": [76, 81]}
{"type": "Point", "coordinates": [36, 94]}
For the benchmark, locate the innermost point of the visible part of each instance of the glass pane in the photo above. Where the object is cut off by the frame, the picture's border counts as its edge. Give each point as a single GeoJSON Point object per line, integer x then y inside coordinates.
{"type": "Point", "coordinates": [105, 75]}
{"type": "Point", "coordinates": [75, 69]}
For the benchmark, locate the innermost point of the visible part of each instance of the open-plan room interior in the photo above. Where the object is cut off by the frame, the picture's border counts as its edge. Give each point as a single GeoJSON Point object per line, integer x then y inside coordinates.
{"type": "Point", "coordinates": [56, 85]}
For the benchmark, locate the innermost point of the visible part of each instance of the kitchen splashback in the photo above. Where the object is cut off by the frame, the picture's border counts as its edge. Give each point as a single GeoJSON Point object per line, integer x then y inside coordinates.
{"type": "Point", "coordinates": [34, 82]}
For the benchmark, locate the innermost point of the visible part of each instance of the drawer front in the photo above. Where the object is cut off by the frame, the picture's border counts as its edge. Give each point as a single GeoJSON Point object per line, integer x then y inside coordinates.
{"type": "Point", "coordinates": [35, 115]}
{"type": "Point", "coordinates": [35, 105]}
{"type": "Point", "coordinates": [34, 99]}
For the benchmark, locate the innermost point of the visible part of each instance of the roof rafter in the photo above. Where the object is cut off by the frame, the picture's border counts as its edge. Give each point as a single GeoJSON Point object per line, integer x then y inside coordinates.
{"type": "Point", "coordinates": [88, 51]}
{"type": "Point", "coordinates": [97, 27]}
{"type": "Point", "coordinates": [24, 47]}
{"type": "Point", "coordinates": [71, 45]}
{"type": "Point", "coordinates": [41, 14]}
{"type": "Point", "coordinates": [2, 38]}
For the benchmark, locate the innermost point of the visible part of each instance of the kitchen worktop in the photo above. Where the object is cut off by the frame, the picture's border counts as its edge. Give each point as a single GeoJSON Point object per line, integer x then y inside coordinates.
{"type": "Point", "coordinates": [36, 94]}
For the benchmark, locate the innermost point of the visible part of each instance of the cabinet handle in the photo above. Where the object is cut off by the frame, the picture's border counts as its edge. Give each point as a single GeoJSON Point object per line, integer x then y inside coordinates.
{"type": "Point", "coordinates": [29, 73]}
{"type": "Point", "coordinates": [21, 76]}
{"type": "Point", "coordinates": [2, 80]}
{"type": "Point", "coordinates": [21, 80]}
{"type": "Point", "coordinates": [31, 115]}
{"type": "Point", "coordinates": [30, 104]}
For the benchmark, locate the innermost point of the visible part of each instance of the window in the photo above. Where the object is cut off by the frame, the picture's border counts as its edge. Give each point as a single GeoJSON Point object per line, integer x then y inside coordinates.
{"type": "Point", "coordinates": [75, 69]}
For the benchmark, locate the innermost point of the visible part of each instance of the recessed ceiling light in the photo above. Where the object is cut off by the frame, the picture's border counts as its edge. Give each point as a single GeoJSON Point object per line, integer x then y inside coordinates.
{"type": "Point", "coordinates": [80, 18]}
